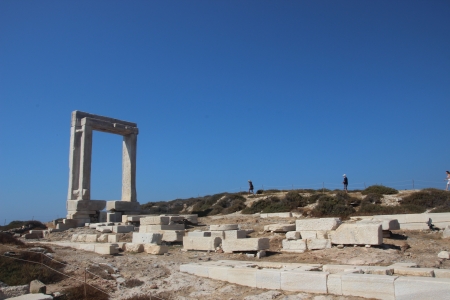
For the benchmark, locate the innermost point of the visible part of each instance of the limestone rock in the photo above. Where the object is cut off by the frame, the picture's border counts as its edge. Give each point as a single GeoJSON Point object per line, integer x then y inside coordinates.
{"type": "Point", "coordinates": [358, 234]}
{"type": "Point", "coordinates": [444, 254]}
{"type": "Point", "coordinates": [37, 287]}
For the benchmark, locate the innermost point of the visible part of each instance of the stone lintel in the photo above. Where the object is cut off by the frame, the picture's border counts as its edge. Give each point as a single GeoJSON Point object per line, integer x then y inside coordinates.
{"type": "Point", "coordinates": [124, 206]}
{"type": "Point", "coordinates": [110, 127]}
{"type": "Point", "coordinates": [78, 115]}
{"type": "Point", "coordinates": [85, 205]}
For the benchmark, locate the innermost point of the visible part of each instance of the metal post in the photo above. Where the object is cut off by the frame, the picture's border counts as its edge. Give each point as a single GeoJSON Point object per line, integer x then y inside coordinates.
{"type": "Point", "coordinates": [413, 183]}
{"type": "Point", "coordinates": [85, 283]}
{"type": "Point", "coordinates": [323, 188]}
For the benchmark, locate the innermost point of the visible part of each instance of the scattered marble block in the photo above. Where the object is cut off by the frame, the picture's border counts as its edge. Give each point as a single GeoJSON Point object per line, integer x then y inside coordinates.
{"type": "Point", "coordinates": [91, 238]}
{"type": "Point", "coordinates": [155, 220]}
{"type": "Point", "coordinates": [223, 227]}
{"type": "Point", "coordinates": [122, 228]}
{"type": "Point", "coordinates": [444, 254]}
{"type": "Point", "coordinates": [103, 229]}
{"type": "Point", "coordinates": [318, 244]}
{"type": "Point", "coordinates": [304, 281]}
{"type": "Point", "coordinates": [123, 206]}
{"type": "Point", "coordinates": [296, 246]}
{"type": "Point", "coordinates": [37, 287]}
{"type": "Point", "coordinates": [446, 232]}
{"type": "Point", "coordinates": [107, 249]}
{"type": "Point", "coordinates": [293, 235]}
{"type": "Point", "coordinates": [112, 238]}
{"type": "Point", "coordinates": [199, 234]}
{"type": "Point", "coordinates": [368, 286]}
{"type": "Point", "coordinates": [113, 217]}
{"type": "Point", "coordinates": [318, 224]}
{"type": "Point", "coordinates": [250, 244]}
{"type": "Point", "coordinates": [153, 228]}
{"type": "Point", "coordinates": [155, 249]}
{"type": "Point", "coordinates": [358, 234]}
{"type": "Point", "coordinates": [235, 234]}
{"type": "Point", "coordinates": [102, 238]}
{"type": "Point", "coordinates": [407, 288]}
{"type": "Point", "coordinates": [279, 227]}
{"type": "Point", "coordinates": [201, 243]}
{"type": "Point", "coordinates": [423, 272]}
{"type": "Point", "coordinates": [147, 238]}
{"type": "Point", "coordinates": [131, 247]}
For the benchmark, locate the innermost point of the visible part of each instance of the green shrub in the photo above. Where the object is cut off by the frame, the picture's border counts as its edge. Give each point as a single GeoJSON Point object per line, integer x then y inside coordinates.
{"type": "Point", "coordinates": [373, 198]}
{"type": "Point", "coordinates": [379, 189]}
{"type": "Point", "coordinates": [6, 238]}
{"type": "Point", "coordinates": [259, 192]}
{"type": "Point", "coordinates": [330, 206]}
{"type": "Point", "coordinates": [313, 198]}
{"type": "Point", "coordinates": [295, 199]}
{"type": "Point", "coordinates": [256, 207]}
{"type": "Point", "coordinates": [17, 224]}
{"type": "Point", "coordinates": [428, 198]}
{"type": "Point", "coordinates": [368, 208]}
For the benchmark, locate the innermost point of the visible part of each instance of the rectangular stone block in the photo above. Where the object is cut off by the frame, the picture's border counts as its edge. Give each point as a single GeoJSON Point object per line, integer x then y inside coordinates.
{"type": "Point", "coordinates": [235, 234]}
{"type": "Point", "coordinates": [147, 238]}
{"type": "Point", "coordinates": [220, 234]}
{"type": "Point", "coordinates": [91, 238]}
{"type": "Point", "coordinates": [414, 226]}
{"type": "Point", "coordinates": [369, 286]}
{"type": "Point", "coordinates": [279, 227]}
{"type": "Point", "coordinates": [191, 218]}
{"type": "Point", "coordinates": [242, 276]}
{"type": "Point", "coordinates": [407, 288]}
{"type": "Point", "coordinates": [74, 238]}
{"type": "Point", "coordinates": [268, 279]}
{"type": "Point", "coordinates": [423, 272]}
{"type": "Point", "coordinates": [294, 245]}
{"type": "Point", "coordinates": [102, 216]}
{"type": "Point", "coordinates": [112, 238]}
{"type": "Point", "coordinates": [442, 273]}
{"type": "Point", "coordinates": [250, 244]}
{"type": "Point", "coordinates": [81, 238]}
{"type": "Point", "coordinates": [155, 220]}
{"type": "Point", "coordinates": [386, 224]}
{"type": "Point", "coordinates": [86, 247]}
{"type": "Point", "coordinates": [406, 218]}
{"type": "Point", "coordinates": [218, 272]}
{"type": "Point", "coordinates": [156, 249]}
{"type": "Point", "coordinates": [358, 234]}
{"type": "Point", "coordinates": [131, 247]}
{"type": "Point", "coordinates": [103, 238]}
{"type": "Point", "coordinates": [151, 228]}
{"type": "Point", "coordinates": [195, 269]}
{"type": "Point", "coordinates": [308, 234]}
{"type": "Point", "coordinates": [199, 234]}
{"type": "Point", "coordinates": [201, 243]}
{"type": "Point", "coordinates": [317, 224]}
{"type": "Point", "coordinates": [172, 235]}
{"type": "Point", "coordinates": [104, 229]}
{"type": "Point", "coordinates": [122, 228]}
{"type": "Point", "coordinates": [334, 284]}
{"type": "Point", "coordinates": [123, 206]}
{"type": "Point", "coordinates": [316, 244]}
{"type": "Point", "coordinates": [293, 235]}
{"type": "Point", "coordinates": [304, 281]}
{"type": "Point", "coordinates": [107, 249]}
{"type": "Point", "coordinates": [223, 227]}
{"type": "Point", "coordinates": [114, 217]}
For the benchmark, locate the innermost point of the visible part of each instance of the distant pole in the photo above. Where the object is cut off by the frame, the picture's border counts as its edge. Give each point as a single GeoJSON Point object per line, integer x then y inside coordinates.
{"type": "Point", "coordinates": [323, 187]}
{"type": "Point", "coordinates": [364, 185]}
{"type": "Point", "coordinates": [32, 218]}
{"type": "Point", "coordinates": [4, 223]}
{"type": "Point", "coordinates": [292, 187]}
{"type": "Point", "coordinates": [413, 183]}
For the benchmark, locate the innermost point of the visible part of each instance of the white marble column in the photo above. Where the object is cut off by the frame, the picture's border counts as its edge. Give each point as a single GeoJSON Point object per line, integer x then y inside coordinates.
{"type": "Point", "coordinates": [84, 191]}
{"type": "Point", "coordinates": [129, 168]}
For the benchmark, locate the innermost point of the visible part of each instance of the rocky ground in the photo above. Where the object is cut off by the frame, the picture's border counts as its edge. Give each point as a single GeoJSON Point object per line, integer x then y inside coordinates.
{"type": "Point", "coordinates": [160, 276]}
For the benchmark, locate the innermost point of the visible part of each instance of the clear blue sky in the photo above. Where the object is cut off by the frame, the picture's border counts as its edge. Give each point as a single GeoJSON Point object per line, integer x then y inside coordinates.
{"type": "Point", "coordinates": [285, 93]}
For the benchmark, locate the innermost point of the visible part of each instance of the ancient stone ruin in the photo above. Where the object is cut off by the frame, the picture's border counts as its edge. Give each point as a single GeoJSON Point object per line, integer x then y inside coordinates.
{"type": "Point", "coordinates": [80, 207]}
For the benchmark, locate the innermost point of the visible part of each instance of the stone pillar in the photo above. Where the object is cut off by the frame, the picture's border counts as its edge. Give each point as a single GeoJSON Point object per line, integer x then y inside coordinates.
{"type": "Point", "coordinates": [74, 161]}
{"type": "Point", "coordinates": [84, 191]}
{"type": "Point", "coordinates": [129, 168]}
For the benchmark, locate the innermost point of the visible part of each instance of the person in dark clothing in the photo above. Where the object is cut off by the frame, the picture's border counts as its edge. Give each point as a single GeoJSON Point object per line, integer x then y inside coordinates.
{"type": "Point", "coordinates": [250, 187]}
{"type": "Point", "coordinates": [345, 182]}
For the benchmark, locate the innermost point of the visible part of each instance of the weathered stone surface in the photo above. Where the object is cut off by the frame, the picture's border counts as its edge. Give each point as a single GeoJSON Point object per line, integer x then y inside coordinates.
{"type": "Point", "coordinates": [293, 235]}
{"type": "Point", "coordinates": [112, 238]}
{"type": "Point", "coordinates": [91, 238]}
{"type": "Point", "coordinates": [444, 254]}
{"type": "Point", "coordinates": [407, 288]}
{"type": "Point", "coordinates": [360, 234]}
{"type": "Point", "coordinates": [74, 238]}
{"type": "Point", "coordinates": [235, 234]}
{"type": "Point", "coordinates": [153, 228]}
{"type": "Point", "coordinates": [195, 269]}
{"type": "Point", "coordinates": [276, 215]}
{"type": "Point", "coordinates": [37, 287]}
{"type": "Point", "coordinates": [123, 206]}
{"type": "Point", "coordinates": [201, 243]}
{"type": "Point", "coordinates": [106, 249]}
{"type": "Point", "coordinates": [131, 247]}
{"type": "Point", "coordinates": [268, 279]}
{"type": "Point", "coordinates": [250, 244]}
{"type": "Point", "coordinates": [155, 249]}
{"type": "Point", "coordinates": [122, 228]}
{"type": "Point", "coordinates": [334, 284]}
{"type": "Point", "coordinates": [308, 234]}
{"type": "Point", "coordinates": [279, 227]}
{"type": "Point", "coordinates": [199, 234]}
{"type": "Point", "coordinates": [147, 238]}
{"type": "Point", "coordinates": [172, 235]}
{"type": "Point", "coordinates": [155, 220]}
{"type": "Point", "coordinates": [368, 286]}
{"type": "Point", "coordinates": [113, 217]}
{"type": "Point", "coordinates": [85, 205]}
{"type": "Point", "coordinates": [242, 276]}
{"type": "Point", "coordinates": [223, 227]}
{"type": "Point", "coordinates": [218, 272]}
{"type": "Point", "coordinates": [81, 238]}
{"type": "Point", "coordinates": [294, 245]}
{"type": "Point", "coordinates": [318, 224]}
{"type": "Point", "coordinates": [375, 270]}
{"type": "Point", "coordinates": [442, 273]}
{"type": "Point", "coordinates": [316, 244]}
{"type": "Point", "coordinates": [104, 229]}
{"type": "Point", "coordinates": [304, 281]}
{"type": "Point", "coordinates": [191, 218]}
{"type": "Point", "coordinates": [102, 238]}
{"type": "Point", "coordinates": [386, 223]}
{"type": "Point", "coordinates": [423, 272]}
{"type": "Point", "coordinates": [446, 232]}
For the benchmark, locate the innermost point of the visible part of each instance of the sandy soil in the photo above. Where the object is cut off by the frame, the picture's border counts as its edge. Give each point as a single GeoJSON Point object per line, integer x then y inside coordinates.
{"type": "Point", "coordinates": [160, 275]}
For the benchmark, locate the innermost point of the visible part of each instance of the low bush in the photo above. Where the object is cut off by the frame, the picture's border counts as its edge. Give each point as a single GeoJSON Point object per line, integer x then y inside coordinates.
{"type": "Point", "coordinates": [6, 238]}
{"type": "Point", "coordinates": [428, 198]}
{"type": "Point", "coordinates": [368, 208]}
{"type": "Point", "coordinates": [228, 204]}
{"type": "Point", "coordinates": [133, 282]}
{"type": "Point", "coordinates": [330, 206]}
{"type": "Point", "coordinates": [379, 189]}
{"type": "Point", "coordinates": [256, 207]}
{"type": "Point", "coordinates": [295, 199]}
{"type": "Point", "coordinates": [19, 272]}
{"type": "Point", "coordinates": [259, 192]}
{"type": "Point", "coordinates": [32, 224]}
{"type": "Point", "coordinates": [313, 198]}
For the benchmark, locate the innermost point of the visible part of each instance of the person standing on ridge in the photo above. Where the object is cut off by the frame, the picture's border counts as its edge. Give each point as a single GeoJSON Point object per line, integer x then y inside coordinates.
{"type": "Point", "coordinates": [250, 187]}
{"type": "Point", "coordinates": [448, 180]}
{"type": "Point", "coordinates": [345, 182]}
